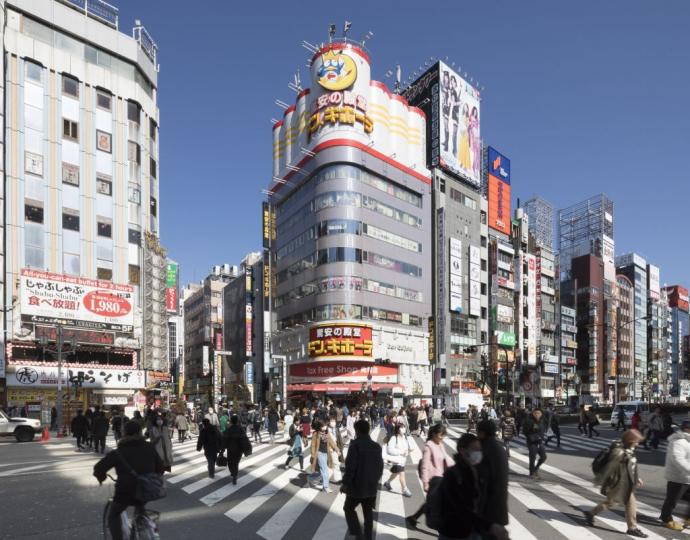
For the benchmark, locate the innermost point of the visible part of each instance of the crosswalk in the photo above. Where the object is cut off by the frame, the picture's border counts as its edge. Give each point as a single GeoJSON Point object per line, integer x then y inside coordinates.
{"type": "Point", "coordinates": [275, 503]}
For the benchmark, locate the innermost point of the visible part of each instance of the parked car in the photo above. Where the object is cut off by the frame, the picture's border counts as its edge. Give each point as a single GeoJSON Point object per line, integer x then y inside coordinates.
{"type": "Point", "coordinates": [22, 429]}
{"type": "Point", "coordinates": [629, 407]}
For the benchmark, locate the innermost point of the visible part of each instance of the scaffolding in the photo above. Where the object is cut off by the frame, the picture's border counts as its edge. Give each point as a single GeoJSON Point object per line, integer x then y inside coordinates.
{"type": "Point", "coordinates": [155, 320]}
{"type": "Point", "coordinates": [582, 228]}
{"type": "Point", "coordinates": [541, 222]}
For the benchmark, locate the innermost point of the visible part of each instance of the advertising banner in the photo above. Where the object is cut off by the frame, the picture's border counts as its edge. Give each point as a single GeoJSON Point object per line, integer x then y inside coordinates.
{"type": "Point", "coordinates": [217, 375]}
{"type": "Point", "coordinates": [341, 340]}
{"type": "Point", "coordinates": [607, 253]}
{"type": "Point", "coordinates": [32, 376]}
{"type": "Point", "coordinates": [73, 301]}
{"type": "Point", "coordinates": [531, 308]}
{"type": "Point", "coordinates": [499, 165]}
{"type": "Point", "coordinates": [205, 362]}
{"type": "Point", "coordinates": [266, 214]}
{"type": "Point", "coordinates": [171, 297]}
{"type": "Point", "coordinates": [455, 274]}
{"type": "Point", "coordinates": [432, 339]}
{"type": "Point", "coordinates": [80, 336]}
{"type": "Point", "coordinates": [331, 372]}
{"type": "Point", "coordinates": [460, 146]}
{"type": "Point", "coordinates": [504, 314]}
{"type": "Point", "coordinates": [475, 307]}
{"type": "Point", "coordinates": [267, 278]}
{"type": "Point", "coordinates": [441, 282]}
{"type": "Point", "coordinates": [505, 339]}
{"type": "Point", "coordinates": [249, 373]}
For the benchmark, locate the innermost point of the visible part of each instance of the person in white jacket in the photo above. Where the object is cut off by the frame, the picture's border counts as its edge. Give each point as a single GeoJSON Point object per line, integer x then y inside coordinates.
{"type": "Point", "coordinates": [677, 473]}
{"type": "Point", "coordinates": [397, 450]}
{"type": "Point", "coordinates": [350, 425]}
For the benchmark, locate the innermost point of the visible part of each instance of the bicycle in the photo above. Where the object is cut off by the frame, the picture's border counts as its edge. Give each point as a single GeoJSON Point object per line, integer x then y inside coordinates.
{"type": "Point", "coordinates": [144, 526]}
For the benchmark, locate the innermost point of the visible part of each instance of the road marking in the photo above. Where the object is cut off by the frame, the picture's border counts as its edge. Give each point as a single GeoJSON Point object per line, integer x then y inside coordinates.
{"type": "Point", "coordinates": [279, 524]}
{"type": "Point", "coordinates": [254, 501]}
{"type": "Point", "coordinates": [517, 530]}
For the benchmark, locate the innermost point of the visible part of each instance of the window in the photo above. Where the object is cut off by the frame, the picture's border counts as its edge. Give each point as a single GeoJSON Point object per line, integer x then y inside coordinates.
{"type": "Point", "coordinates": [103, 141]}
{"type": "Point", "coordinates": [154, 207]}
{"type": "Point", "coordinates": [33, 163]}
{"type": "Point", "coordinates": [70, 221]}
{"type": "Point", "coordinates": [133, 111]}
{"type": "Point", "coordinates": [482, 217]}
{"type": "Point", "coordinates": [483, 289]}
{"type": "Point", "coordinates": [70, 174]}
{"type": "Point", "coordinates": [134, 237]}
{"type": "Point", "coordinates": [484, 241]}
{"type": "Point", "coordinates": [70, 130]}
{"type": "Point", "coordinates": [104, 185]}
{"type": "Point", "coordinates": [33, 245]}
{"type": "Point", "coordinates": [484, 264]}
{"type": "Point", "coordinates": [70, 86]}
{"type": "Point", "coordinates": [104, 273]}
{"type": "Point", "coordinates": [134, 274]}
{"type": "Point", "coordinates": [153, 168]}
{"type": "Point", "coordinates": [34, 71]}
{"type": "Point", "coordinates": [152, 128]}
{"type": "Point", "coordinates": [134, 194]}
{"type": "Point", "coordinates": [442, 185]}
{"type": "Point", "coordinates": [133, 152]}
{"type": "Point", "coordinates": [103, 100]}
{"type": "Point", "coordinates": [483, 313]}
{"type": "Point", "coordinates": [33, 213]}
{"type": "Point", "coordinates": [71, 264]}
{"type": "Point", "coordinates": [105, 229]}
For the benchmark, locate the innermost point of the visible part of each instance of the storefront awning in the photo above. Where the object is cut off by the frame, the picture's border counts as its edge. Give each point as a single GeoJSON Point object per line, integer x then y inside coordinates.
{"type": "Point", "coordinates": [341, 388]}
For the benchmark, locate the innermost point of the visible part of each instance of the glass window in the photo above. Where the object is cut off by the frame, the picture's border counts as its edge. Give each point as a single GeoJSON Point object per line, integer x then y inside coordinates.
{"type": "Point", "coordinates": [71, 264]}
{"type": "Point", "coordinates": [154, 207]}
{"type": "Point", "coordinates": [33, 163]}
{"type": "Point", "coordinates": [70, 86]}
{"type": "Point", "coordinates": [34, 71]}
{"type": "Point", "coordinates": [104, 273]}
{"type": "Point", "coordinates": [134, 274]}
{"type": "Point", "coordinates": [133, 111]}
{"type": "Point", "coordinates": [105, 228]}
{"type": "Point", "coordinates": [70, 221]}
{"type": "Point", "coordinates": [104, 184]}
{"type": "Point", "coordinates": [70, 130]}
{"type": "Point", "coordinates": [103, 141]}
{"type": "Point", "coordinates": [133, 152]}
{"type": "Point", "coordinates": [134, 194]}
{"type": "Point", "coordinates": [33, 213]}
{"type": "Point", "coordinates": [103, 100]}
{"type": "Point", "coordinates": [153, 167]}
{"type": "Point", "coordinates": [70, 174]}
{"type": "Point", "coordinates": [153, 127]}
{"type": "Point", "coordinates": [134, 237]}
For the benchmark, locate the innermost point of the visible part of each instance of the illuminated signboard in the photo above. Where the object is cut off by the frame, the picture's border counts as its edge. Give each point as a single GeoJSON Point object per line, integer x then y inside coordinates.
{"type": "Point", "coordinates": [341, 340]}
{"type": "Point", "coordinates": [499, 191]}
{"type": "Point", "coordinates": [171, 288]}
{"type": "Point", "coordinates": [337, 71]}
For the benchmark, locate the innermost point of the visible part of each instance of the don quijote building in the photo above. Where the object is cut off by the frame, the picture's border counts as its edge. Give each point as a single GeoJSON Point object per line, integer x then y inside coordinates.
{"type": "Point", "coordinates": [350, 204]}
{"type": "Point", "coordinates": [81, 196]}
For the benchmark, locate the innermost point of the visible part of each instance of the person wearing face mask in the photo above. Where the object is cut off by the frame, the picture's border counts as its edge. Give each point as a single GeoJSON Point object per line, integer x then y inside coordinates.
{"type": "Point", "coordinates": [334, 432]}
{"type": "Point", "coordinates": [159, 436]}
{"type": "Point", "coordinates": [397, 450]}
{"type": "Point", "coordinates": [453, 505]}
{"type": "Point", "coordinates": [493, 475]}
{"type": "Point", "coordinates": [350, 425]}
{"type": "Point", "coordinates": [619, 479]}
{"type": "Point", "coordinates": [535, 430]}
{"type": "Point", "coordinates": [322, 448]}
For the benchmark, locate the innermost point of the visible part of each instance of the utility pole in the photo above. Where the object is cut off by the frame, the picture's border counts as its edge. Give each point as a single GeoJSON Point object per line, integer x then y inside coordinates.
{"type": "Point", "coordinates": [618, 352]}
{"type": "Point", "coordinates": [58, 404]}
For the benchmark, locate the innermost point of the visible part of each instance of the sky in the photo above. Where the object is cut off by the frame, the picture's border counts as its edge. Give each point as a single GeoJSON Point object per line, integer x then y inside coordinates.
{"type": "Point", "coordinates": [583, 96]}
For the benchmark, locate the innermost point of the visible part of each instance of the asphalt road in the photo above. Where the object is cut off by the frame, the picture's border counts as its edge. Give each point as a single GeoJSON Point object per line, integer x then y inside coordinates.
{"type": "Point", "coordinates": [48, 491]}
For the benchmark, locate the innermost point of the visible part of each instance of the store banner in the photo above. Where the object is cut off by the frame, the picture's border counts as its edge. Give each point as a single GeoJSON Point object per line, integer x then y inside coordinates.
{"type": "Point", "coordinates": [341, 340]}
{"type": "Point", "coordinates": [32, 376]}
{"type": "Point", "coordinates": [331, 372]}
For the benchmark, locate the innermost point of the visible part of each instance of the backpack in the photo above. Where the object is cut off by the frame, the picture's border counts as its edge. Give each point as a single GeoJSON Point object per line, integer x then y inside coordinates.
{"type": "Point", "coordinates": [602, 458]}
{"type": "Point", "coordinates": [149, 486]}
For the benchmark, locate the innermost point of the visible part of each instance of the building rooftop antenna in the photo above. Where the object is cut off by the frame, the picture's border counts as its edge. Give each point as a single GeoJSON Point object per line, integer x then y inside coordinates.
{"type": "Point", "coordinates": [331, 32]}
{"type": "Point", "coordinates": [296, 84]}
{"type": "Point", "coordinates": [367, 37]}
{"type": "Point", "coordinates": [398, 74]}
{"type": "Point", "coordinates": [346, 29]}
{"type": "Point", "coordinates": [309, 46]}
{"type": "Point", "coordinates": [281, 104]}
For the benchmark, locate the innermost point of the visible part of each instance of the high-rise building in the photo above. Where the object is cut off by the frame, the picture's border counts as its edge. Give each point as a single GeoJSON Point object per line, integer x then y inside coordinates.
{"type": "Point", "coordinates": [634, 267]}
{"type": "Point", "coordinates": [352, 255]}
{"type": "Point", "coordinates": [658, 359]}
{"type": "Point", "coordinates": [680, 321]}
{"type": "Point", "coordinates": [541, 221]}
{"type": "Point", "coordinates": [568, 353]}
{"type": "Point", "coordinates": [624, 367]}
{"type": "Point", "coordinates": [81, 190]}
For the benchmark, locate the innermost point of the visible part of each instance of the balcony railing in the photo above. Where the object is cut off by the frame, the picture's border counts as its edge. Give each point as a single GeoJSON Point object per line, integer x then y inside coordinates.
{"type": "Point", "coordinates": [98, 9]}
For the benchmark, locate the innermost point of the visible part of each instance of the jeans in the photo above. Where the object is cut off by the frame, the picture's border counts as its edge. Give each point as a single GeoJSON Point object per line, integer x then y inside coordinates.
{"type": "Point", "coordinates": [212, 465]}
{"type": "Point", "coordinates": [322, 459]}
{"type": "Point", "coordinates": [630, 510]}
{"type": "Point", "coordinates": [114, 520]}
{"type": "Point", "coordinates": [353, 525]}
{"type": "Point", "coordinates": [674, 493]}
{"type": "Point", "coordinates": [290, 458]}
{"type": "Point", "coordinates": [654, 438]}
{"type": "Point", "coordinates": [181, 434]}
{"type": "Point", "coordinates": [506, 445]}
{"type": "Point", "coordinates": [536, 449]}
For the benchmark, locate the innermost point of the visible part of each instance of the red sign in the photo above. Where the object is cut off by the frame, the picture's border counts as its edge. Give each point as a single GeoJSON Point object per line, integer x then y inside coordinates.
{"type": "Point", "coordinates": [341, 340]}
{"type": "Point", "coordinates": [171, 299]}
{"type": "Point", "coordinates": [347, 371]}
{"type": "Point", "coordinates": [81, 336]}
{"type": "Point", "coordinates": [106, 304]}
{"type": "Point", "coordinates": [499, 204]}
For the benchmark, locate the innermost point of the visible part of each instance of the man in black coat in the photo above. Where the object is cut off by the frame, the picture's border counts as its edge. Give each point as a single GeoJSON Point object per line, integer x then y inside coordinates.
{"type": "Point", "coordinates": [535, 431]}
{"type": "Point", "coordinates": [236, 442]}
{"type": "Point", "coordinates": [133, 452]}
{"type": "Point", "coordinates": [80, 428]}
{"type": "Point", "coordinates": [363, 470]}
{"type": "Point", "coordinates": [209, 440]}
{"type": "Point", "coordinates": [493, 475]}
{"type": "Point", "coordinates": [99, 430]}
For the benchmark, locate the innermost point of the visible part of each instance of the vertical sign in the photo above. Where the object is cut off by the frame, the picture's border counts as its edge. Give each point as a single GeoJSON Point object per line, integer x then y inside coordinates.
{"type": "Point", "coordinates": [475, 281]}
{"type": "Point", "coordinates": [538, 285]}
{"type": "Point", "coordinates": [249, 373]}
{"type": "Point", "coordinates": [441, 273]}
{"type": "Point", "coordinates": [205, 366]}
{"type": "Point", "coordinates": [217, 374]}
{"type": "Point", "coordinates": [249, 311]}
{"type": "Point", "coordinates": [266, 215]}
{"type": "Point", "coordinates": [171, 276]}
{"type": "Point", "coordinates": [432, 340]}
{"type": "Point", "coordinates": [531, 309]}
{"type": "Point", "coordinates": [455, 275]}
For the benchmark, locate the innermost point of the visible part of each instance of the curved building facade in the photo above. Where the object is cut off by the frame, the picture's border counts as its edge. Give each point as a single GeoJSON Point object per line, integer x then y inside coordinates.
{"type": "Point", "coordinates": [351, 255]}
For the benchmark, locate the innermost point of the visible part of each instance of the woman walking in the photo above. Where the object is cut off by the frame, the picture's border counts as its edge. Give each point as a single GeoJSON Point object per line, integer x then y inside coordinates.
{"type": "Point", "coordinates": [305, 420]}
{"type": "Point", "coordinates": [182, 427]}
{"type": "Point", "coordinates": [434, 463]}
{"type": "Point", "coordinates": [159, 435]}
{"type": "Point", "coordinates": [582, 425]}
{"type": "Point", "coordinates": [508, 429]}
{"type": "Point", "coordinates": [322, 446]}
{"type": "Point", "coordinates": [272, 419]}
{"type": "Point", "coordinates": [397, 450]}
{"type": "Point", "coordinates": [297, 446]}
{"type": "Point", "coordinates": [236, 442]}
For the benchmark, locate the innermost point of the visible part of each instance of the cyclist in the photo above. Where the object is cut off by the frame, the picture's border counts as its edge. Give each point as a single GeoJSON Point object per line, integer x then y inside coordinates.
{"type": "Point", "coordinates": [133, 452]}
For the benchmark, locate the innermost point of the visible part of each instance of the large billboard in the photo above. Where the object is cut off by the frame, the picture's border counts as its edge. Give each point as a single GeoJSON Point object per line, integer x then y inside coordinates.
{"type": "Point", "coordinates": [499, 191]}
{"type": "Point", "coordinates": [342, 371]}
{"type": "Point", "coordinates": [171, 280]}
{"type": "Point", "coordinates": [452, 107]}
{"type": "Point", "coordinates": [341, 340]}
{"type": "Point", "coordinates": [48, 298]}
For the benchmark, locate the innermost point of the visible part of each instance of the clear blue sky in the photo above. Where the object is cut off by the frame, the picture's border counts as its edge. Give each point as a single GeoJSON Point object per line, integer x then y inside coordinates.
{"type": "Point", "coordinates": [583, 96]}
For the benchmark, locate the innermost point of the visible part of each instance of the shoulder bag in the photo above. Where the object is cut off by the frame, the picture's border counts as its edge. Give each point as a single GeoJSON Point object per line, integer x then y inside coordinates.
{"type": "Point", "coordinates": [149, 486]}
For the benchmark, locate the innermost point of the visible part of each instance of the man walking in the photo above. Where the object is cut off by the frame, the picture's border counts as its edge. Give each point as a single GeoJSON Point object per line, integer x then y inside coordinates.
{"type": "Point", "coordinates": [100, 430]}
{"type": "Point", "coordinates": [209, 440]}
{"type": "Point", "coordinates": [534, 430]}
{"type": "Point", "coordinates": [493, 475]}
{"type": "Point", "coordinates": [212, 417]}
{"type": "Point", "coordinates": [656, 427]}
{"type": "Point", "coordinates": [80, 428]}
{"type": "Point", "coordinates": [554, 423]}
{"type": "Point", "coordinates": [363, 470]}
{"type": "Point", "coordinates": [677, 473]}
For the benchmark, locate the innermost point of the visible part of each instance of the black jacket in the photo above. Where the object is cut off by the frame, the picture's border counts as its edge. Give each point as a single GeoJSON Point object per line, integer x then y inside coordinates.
{"type": "Point", "coordinates": [140, 455]}
{"type": "Point", "coordinates": [534, 431]}
{"type": "Point", "coordinates": [493, 482]}
{"type": "Point", "coordinates": [80, 426]}
{"type": "Point", "coordinates": [100, 425]}
{"type": "Point", "coordinates": [363, 468]}
{"type": "Point", "coordinates": [458, 498]}
{"type": "Point", "coordinates": [209, 439]}
{"type": "Point", "coordinates": [234, 441]}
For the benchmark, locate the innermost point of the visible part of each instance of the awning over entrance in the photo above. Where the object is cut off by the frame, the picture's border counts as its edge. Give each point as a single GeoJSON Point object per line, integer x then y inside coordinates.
{"type": "Point", "coordinates": [342, 388]}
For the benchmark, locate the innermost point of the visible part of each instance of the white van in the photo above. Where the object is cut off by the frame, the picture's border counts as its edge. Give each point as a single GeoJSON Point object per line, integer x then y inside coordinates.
{"type": "Point", "coordinates": [630, 407]}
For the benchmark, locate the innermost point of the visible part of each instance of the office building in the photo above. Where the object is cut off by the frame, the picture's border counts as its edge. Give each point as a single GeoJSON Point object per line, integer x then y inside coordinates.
{"type": "Point", "coordinates": [680, 320]}
{"type": "Point", "coordinates": [623, 370]}
{"type": "Point", "coordinates": [568, 355]}
{"type": "Point", "coordinates": [541, 221]}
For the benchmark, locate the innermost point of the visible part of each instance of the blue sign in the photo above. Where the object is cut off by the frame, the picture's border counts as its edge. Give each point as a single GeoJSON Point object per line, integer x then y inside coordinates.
{"type": "Point", "coordinates": [249, 379]}
{"type": "Point", "coordinates": [499, 165]}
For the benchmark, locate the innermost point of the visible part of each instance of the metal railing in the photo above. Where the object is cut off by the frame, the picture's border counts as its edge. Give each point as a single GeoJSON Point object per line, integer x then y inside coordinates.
{"type": "Point", "coordinates": [145, 42]}
{"type": "Point", "coordinates": [98, 9]}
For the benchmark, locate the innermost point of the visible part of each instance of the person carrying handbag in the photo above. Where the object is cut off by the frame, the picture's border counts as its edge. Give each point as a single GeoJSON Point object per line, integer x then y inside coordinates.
{"type": "Point", "coordinates": [322, 446]}
{"type": "Point", "coordinates": [133, 458]}
{"type": "Point", "coordinates": [209, 440]}
{"type": "Point", "coordinates": [297, 446]}
{"type": "Point", "coordinates": [397, 450]}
